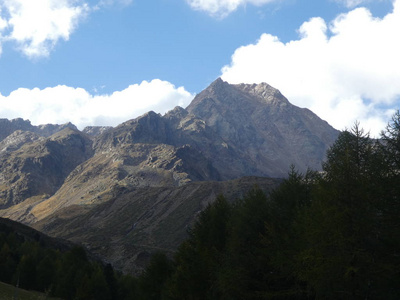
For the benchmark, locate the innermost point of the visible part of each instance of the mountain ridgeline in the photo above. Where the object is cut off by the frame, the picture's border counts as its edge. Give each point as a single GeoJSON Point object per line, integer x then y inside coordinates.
{"type": "Point", "coordinates": [127, 191]}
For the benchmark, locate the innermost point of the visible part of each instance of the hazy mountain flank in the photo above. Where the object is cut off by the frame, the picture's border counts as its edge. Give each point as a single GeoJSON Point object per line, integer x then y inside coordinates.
{"type": "Point", "coordinates": [126, 191]}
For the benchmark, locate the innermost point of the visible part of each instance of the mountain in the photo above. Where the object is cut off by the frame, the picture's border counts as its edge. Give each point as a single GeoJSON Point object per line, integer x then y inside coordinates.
{"type": "Point", "coordinates": [7, 127]}
{"type": "Point", "coordinates": [263, 127]}
{"type": "Point", "coordinates": [127, 191]}
{"type": "Point", "coordinates": [38, 167]}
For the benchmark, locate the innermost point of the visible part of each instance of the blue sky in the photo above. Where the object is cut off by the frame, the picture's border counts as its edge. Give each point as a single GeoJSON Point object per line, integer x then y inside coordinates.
{"type": "Point", "coordinates": [96, 62]}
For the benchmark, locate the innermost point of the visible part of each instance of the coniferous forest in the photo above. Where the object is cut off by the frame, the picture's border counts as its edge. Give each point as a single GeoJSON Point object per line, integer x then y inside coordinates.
{"type": "Point", "coordinates": [320, 235]}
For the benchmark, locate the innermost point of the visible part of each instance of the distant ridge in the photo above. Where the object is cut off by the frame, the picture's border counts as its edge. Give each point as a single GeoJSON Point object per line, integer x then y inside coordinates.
{"type": "Point", "coordinates": [7, 127]}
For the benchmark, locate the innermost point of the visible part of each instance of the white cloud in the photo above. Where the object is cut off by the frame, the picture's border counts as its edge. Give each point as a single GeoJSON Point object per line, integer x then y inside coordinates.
{"type": "Point", "coordinates": [106, 3]}
{"type": "Point", "coordinates": [221, 8]}
{"type": "Point", "coordinates": [3, 26]}
{"type": "Point", "coordinates": [61, 104]}
{"type": "Point", "coordinates": [3, 22]}
{"type": "Point", "coordinates": [345, 71]}
{"type": "Point", "coordinates": [351, 3]}
{"type": "Point", "coordinates": [36, 26]}
{"type": "Point", "coordinates": [354, 3]}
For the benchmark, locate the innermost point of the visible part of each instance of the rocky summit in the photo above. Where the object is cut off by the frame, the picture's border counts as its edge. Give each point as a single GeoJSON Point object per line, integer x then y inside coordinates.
{"type": "Point", "coordinates": [127, 191]}
{"type": "Point", "coordinates": [262, 126]}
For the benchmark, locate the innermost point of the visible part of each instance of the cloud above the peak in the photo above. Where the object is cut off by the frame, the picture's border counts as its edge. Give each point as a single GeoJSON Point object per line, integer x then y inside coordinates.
{"type": "Point", "coordinates": [344, 71]}
{"type": "Point", "coordinates": [37, 26]}
{"type": "Point", "coordinates": [62, 104]}
{"type": "Point", "coordinates": [222, 8]}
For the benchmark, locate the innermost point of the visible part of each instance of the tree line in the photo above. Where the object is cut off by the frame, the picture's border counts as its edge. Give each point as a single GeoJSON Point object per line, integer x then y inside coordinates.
{"type": "Point", "coordinates": [333, 234]}
{"type": "Point", "coordinates": [320, 235]}
{"type": "Point", "coordinates": [27, 264]}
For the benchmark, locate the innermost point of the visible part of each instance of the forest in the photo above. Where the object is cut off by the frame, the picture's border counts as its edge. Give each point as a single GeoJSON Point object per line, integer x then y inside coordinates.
{"type": "Point", "coordinates": [333, 234]}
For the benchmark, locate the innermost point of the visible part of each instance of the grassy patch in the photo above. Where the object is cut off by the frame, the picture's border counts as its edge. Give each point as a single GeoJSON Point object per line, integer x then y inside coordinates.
{"type": "Point", "coordinates": [9, 292]}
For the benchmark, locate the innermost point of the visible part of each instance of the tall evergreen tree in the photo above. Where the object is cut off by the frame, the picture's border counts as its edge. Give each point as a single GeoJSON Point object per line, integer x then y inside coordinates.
{"type": "Point", "coordinates": [282, 239]}
{"type": "Point", "coordinates": [246, 269]}
{"type": "Point", "coordinates": [342, 226]}
{"type": "Point", "coordinates": [388, 231]}
{"type": "Point", "coordinates": [152, 282]}
{"type": "Point", "coordinates": [199, 258]}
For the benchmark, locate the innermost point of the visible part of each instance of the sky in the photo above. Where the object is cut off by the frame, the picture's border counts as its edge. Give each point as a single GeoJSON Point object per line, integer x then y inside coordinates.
{"type": "Point", "coordinates": [102, 62]}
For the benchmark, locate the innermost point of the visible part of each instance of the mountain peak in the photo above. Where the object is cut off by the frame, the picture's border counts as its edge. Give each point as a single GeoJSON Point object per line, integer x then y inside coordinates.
{"type": "Point", "coordinates": [263, 90]}
{"type": "Point", "coordinates": [257, 118]}
{"type": "Point", "coordinates": [221, 97]}
{"type": "Point", "coordinates": [218, 85]}
{"type": "Point", "coordinates": [217, 82]}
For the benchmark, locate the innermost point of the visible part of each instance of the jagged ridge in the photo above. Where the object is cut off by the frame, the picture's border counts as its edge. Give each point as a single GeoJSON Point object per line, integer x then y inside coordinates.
{"type": "Point", "coordinates": [90, 186]}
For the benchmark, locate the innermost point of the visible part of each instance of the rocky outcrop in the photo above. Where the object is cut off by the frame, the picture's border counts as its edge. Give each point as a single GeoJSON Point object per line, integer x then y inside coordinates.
{"type": "Point", "coordinates": [38, 167]}
{"type": "Point", "coordinates": [16, 140]}
{"type": "Point", "coordinates": [7, 127]}
{"type": "Point", "coordinates": [50, 129]}
{"type": "Point", "coordinates": [95, 130]}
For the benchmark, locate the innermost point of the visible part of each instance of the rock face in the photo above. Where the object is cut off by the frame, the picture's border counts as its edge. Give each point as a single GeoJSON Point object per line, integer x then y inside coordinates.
{"type": "Point", "coordinates": [263, 127]}
{"type": "Point", "coordinates": [38, 166]}
{"type": "Point", "coordinates": [126, 191]}
{"type": "Point", "coordinates": [7, 127]}
{"type": "Point", "coordinates": [95, 130]}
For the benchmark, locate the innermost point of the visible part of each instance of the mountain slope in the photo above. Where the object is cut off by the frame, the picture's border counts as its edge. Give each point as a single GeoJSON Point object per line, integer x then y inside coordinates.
{"type": "Point", "coordinates": [38, 167]}
{"type": "Point", "coordinates": [127, 191]}
{"type": "Point", "coordinates": [135, 222]}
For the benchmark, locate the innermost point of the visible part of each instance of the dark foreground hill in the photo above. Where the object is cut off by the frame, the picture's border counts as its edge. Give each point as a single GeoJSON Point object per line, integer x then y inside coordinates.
{"type": "Point", "coordinates": [29, 234]}
{"type": "Point", "coordinates": [126, 191]}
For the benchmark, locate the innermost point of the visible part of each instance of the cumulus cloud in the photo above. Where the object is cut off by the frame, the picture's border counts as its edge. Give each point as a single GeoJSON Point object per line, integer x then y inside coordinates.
{"type": "Point", "coordinates": [61, 104]}
{"type": "Point", "coordinates": [37, 26]}
{"type": "Point", "coordinates": [344, 71]}
{"type": "Point", "coordinates": [222, 8]}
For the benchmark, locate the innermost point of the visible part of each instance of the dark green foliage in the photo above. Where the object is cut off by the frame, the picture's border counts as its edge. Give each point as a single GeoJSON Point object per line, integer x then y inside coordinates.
{"type": "Point", "coordinates": [339, 223]}
{"type": "Point", "coordinates": [282, 239]}
{"type": "Point", "coordinates": [391, 139]}
{"type": "Point", "coordinates": [199, 258]}
{"type": "Point", "coordinates": [230, 253]}
{"type": "Point", "coordinates": [46, 270]}
{"type": "Point", "coordinates": [153, 280]}
{"type": "Point", "coordinates": [246, 267]}
{"type": "Point", "coordinates": [330, 235]}
{"type": "Point", "coordinates": [8, 262]}
{"type": "Point", "coordinates": [68, 275]}
{"type": "Point", "coordinates": [346, 225]}
{"type": "Point", "coordinates": [111, 281]}
{"type": "Point", "coordinates": [26, 272]}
